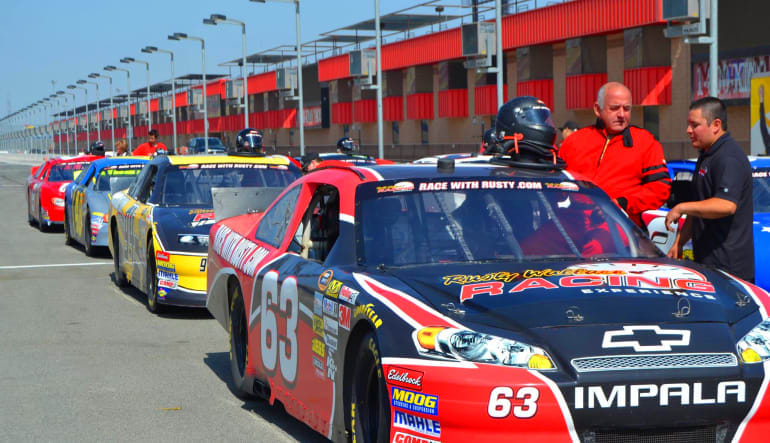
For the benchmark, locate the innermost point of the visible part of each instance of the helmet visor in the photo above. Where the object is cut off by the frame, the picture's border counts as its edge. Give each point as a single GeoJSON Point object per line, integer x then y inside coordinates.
{"type": "Point", "coordinates": [535, 115]}
{"type": "Point", "coordinates": [348, 145]}
{"type": "Point", "coordinates": [252, 141]}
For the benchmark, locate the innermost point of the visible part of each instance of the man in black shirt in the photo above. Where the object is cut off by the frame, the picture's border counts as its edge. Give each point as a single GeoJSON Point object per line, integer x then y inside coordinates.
{"type": "Point", "coordinates": [720, 220]}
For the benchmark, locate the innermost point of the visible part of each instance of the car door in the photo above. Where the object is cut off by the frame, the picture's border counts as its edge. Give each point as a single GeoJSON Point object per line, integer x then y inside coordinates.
{"type": "Point", "coordinates": [296, 298]}
{"type": "Point", "coordinates": [78, 206]}
{"type": "Point", "coordinates": [133, 211]}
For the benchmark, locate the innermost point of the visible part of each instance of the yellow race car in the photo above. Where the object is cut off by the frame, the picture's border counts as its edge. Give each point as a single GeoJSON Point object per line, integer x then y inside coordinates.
{"type": "Point", "coordinates": [159, 227]}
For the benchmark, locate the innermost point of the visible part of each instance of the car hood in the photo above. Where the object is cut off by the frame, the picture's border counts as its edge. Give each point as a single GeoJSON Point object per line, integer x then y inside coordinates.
{"type": "Point", "coordinates": [520, 296]}
{"type": "Point", "coordinates": [171, 223]}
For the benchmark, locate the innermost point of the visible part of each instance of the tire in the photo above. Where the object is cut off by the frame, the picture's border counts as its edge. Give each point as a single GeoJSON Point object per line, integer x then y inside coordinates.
{"type": "Point", "coordinates": [40, 224]}
{"type": "Point", "coordinates": [30, 218]}
{"type": "Point", "coordinates": [152, 281]}
{"type": "Point", "coordinates": [369, 407]}
{"type": "Point", "coordinates": [87, 246]}
{"type": "Point", "coordinates": [120, 277]}
{"type": "Point", "coordinates": [67, 234]}
{"type": "Point", "coordinates": [238, 330]}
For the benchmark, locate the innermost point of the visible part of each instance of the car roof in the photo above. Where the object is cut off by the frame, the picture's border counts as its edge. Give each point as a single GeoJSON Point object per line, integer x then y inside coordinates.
{"type": "Point", "coordinates": [113, 161]}
{"type": "Point", "coordinates": [212, 159]}
{"type": "Point", "coordinates": [760, 162]}
{"type": "Point", "coordinates": [406, 171]}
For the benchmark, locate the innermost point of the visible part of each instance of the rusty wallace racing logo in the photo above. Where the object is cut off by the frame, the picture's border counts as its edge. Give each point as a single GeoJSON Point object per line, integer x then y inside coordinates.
{"type": "Point", "coordinates": [404, 377]}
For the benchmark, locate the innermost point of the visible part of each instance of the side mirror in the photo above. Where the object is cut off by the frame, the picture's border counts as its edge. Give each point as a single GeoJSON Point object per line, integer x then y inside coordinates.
{"type": "Point", "coordinates": [33, 170]}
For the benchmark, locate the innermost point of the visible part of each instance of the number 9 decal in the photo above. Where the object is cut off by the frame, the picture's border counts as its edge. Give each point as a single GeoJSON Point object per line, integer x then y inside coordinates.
{"type": "Point", "coordinates": [286, 305]}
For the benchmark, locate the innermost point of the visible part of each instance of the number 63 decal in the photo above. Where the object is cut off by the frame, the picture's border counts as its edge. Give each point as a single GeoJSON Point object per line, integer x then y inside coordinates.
{"type": "Point", "coordinates": [276, 347]}
{"type": "Point", "coordinates": [500, 403]}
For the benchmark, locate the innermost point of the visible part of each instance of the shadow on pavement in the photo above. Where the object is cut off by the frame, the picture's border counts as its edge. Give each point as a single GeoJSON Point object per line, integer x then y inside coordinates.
{"type": "Point", "coordinates": [219, 363]}
{"type": "Point", "coordinates": [175, 312]}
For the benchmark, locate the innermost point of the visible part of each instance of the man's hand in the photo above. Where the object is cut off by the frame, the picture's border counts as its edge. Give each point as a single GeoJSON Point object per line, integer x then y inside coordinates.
{"type": "Point", "coordinates": [675, 249]}
{"type": "Point", "coordinates": [673, 216]}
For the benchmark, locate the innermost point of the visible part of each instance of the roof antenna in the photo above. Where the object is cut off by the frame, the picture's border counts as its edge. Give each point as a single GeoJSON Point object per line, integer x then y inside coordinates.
{"type": "Point", "coordinates": [446, 165]}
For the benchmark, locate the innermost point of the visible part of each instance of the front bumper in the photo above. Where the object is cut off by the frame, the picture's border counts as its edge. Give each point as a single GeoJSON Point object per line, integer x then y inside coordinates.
{"type": "Point", "coordinates": [456, 401]}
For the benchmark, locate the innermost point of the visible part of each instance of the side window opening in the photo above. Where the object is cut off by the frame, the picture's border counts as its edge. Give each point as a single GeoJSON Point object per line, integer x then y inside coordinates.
{"type": "Point", "coordinates": [316, 235]}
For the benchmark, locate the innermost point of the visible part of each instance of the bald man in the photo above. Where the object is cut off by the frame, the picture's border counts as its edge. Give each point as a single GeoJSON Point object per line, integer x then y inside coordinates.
{"type": "Point", "coordinates": [625, 161]}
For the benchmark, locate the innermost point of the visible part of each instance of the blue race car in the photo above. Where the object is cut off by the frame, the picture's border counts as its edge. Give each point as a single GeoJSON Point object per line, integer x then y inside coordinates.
{"type": "Point", "coordinates": [681, 173]}
{"type": "Point", "coordinates": [87, 199]}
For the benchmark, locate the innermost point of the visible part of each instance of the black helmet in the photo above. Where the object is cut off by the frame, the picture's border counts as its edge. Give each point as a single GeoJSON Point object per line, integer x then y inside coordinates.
{"type": "Point", "coordinates": [96, 148]}
{"type": "Point", "coordinates": [529, 117]}
{"type": "Point", "coordinates": [249, 140]}
{"type": "Point", "coordinates": [346, 145]}
{"type": "Point", "coordinates": [489, 143]}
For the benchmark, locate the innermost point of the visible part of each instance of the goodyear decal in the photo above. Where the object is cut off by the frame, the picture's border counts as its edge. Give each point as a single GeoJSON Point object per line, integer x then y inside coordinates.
{"type": "Point", "coordinates": [414, 401]}
{"type": "Point", "coordinates": [368, 312]}
{"type": "Point", "coordinates": [238, 250]}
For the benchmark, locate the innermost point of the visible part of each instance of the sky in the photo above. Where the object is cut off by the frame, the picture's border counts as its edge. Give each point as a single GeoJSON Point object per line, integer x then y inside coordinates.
{"type": "Point", "coordinates": [53, 40]}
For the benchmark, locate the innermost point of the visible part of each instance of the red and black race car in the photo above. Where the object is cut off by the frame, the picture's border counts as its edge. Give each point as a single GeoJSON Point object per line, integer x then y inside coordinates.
{"type": "Point", "coordinates": [46, 185]}
{"type": "Point", "coordinates": [478, 302]}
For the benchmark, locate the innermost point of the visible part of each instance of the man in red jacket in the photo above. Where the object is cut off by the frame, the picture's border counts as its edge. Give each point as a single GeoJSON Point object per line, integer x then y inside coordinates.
{"type": "Point", "coordinates": [151, 146]}
{"type": "Point", "coordinates": [625, 161]}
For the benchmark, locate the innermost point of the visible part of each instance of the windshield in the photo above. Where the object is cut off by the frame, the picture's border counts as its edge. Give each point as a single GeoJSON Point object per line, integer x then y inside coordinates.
{"type": "Point", "coordinates": [761, 190]}
{"type": "Point", "coordinates": [117, 178]}
{"type": "Point", "coordinates": [63, 172]}
{"type": "Point", "coordinates": [190, 185]}
{"type": "Point", "coordinates": [412, 223]}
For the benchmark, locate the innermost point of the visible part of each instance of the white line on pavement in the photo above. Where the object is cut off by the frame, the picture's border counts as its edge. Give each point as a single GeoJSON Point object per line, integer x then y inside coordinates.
{"type": "Point", "coordinates": [59, 265]}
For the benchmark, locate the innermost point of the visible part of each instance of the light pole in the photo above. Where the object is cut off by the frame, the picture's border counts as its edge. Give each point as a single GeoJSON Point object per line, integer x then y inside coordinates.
{"type": "Point", "coordinates": [98, 111]}
{"type": "Point", "coordinates": [301, 102]}
{"type": "Point", "coordinates": [129, 132]}
{"type": "Point", "coordinates": [183, 36]}
{"type": "Point", "coordinates": [88, 136]}
{"type": "Point", "coordinates": [62, 93]}
{"type": "Point", "coordinates": [150, 50]}
{"type": "Point", "coordinates": [219, 18]}
{"type": "Point", "coordinates": [378, 31]}
{"type": "Point", "coordinates": [147, 65]}
{"type": "Point", "coordinates": [499, 37]}
{"type": "Point", "coordinates": [112, 105]}
{"type": "Point", "coordinates": [55, 102]}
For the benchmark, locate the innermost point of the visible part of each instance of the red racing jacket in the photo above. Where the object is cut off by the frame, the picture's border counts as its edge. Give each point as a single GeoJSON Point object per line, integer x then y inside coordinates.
{"type": "Point", "coordinates": [629, 166]}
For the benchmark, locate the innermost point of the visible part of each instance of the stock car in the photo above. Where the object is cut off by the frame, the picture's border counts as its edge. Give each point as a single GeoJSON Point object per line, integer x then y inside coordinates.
{"type": "Point", "coordinates": [158, 227]}
{"type": "Point", "coordinates": [87, 199]}
{"type": "Point", "coordinates": [45, 189]}
{"type": "Point", "coordinates": [416, 303]}
{"type": "Point", "coordinates": [681, 173]}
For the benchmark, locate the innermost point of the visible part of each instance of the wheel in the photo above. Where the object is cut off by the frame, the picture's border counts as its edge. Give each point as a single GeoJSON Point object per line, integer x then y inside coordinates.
{"type": "Point", "coordinates": [89, 249]}
{"type": "Point", "coordinates": [238, 329]}
{"type": "Point", "coordinates": [40, 224]}
{"type": "Point", "coordinates": [369, 410]}
{"type": "Point", "coordinates": [120, 277]}
{"type": "Point", "coordinates": [152, 281]}
{"type": "Point", "coordinates": [67, 234]}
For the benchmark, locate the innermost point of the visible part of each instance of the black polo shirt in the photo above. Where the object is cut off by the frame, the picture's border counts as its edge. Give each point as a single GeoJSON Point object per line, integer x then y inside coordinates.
{"type": "Point", "coordinates": [728, 242]}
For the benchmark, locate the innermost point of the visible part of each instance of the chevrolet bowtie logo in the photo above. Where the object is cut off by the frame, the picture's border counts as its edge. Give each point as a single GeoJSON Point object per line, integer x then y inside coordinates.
{"type": "Point", "coordinates": [628, 338]}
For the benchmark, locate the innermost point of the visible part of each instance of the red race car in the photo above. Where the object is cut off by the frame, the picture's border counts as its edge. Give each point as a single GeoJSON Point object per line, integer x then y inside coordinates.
{"type": "Point", "coordinates": [45, 189]}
